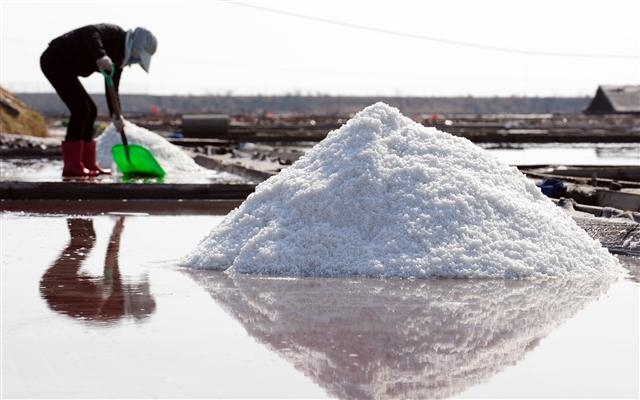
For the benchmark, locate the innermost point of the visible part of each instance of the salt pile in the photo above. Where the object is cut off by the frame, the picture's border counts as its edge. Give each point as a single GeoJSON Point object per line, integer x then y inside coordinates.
{"type": "Point", "coordinates": [170, 157]}
{"type": "Point", "coordinates": [384, 196]}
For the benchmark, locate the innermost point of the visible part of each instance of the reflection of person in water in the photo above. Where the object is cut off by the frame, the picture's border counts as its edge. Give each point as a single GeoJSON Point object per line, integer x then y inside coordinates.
{"type": "Point", "coordinates": [69, 291]}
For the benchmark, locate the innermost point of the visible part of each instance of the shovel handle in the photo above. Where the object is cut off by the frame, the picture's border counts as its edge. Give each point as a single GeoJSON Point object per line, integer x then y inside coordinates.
{"type": "Point", "coordinates": [111, 92]}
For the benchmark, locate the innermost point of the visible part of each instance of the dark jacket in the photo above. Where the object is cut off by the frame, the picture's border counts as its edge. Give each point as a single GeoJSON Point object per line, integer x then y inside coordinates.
{"type": "Point", "coordinates": [79, 49]}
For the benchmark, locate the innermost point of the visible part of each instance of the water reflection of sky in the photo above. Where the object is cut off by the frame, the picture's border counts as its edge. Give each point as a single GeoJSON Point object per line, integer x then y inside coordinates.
{"type": "Point", "coordinates": [209, 334]}
{"type": "Point", "coordinates": [569, 154]}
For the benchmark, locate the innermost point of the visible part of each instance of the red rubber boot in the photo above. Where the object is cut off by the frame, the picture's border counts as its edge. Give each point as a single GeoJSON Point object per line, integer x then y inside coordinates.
{"type": "Point", "coordinates": [89, 158]}
{"type": "Point", "coordinates": [72, 157]}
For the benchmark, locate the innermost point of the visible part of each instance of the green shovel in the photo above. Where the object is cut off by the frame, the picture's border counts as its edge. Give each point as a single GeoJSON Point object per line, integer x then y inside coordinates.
{"type": "Point", "coordinates": [131, 159]}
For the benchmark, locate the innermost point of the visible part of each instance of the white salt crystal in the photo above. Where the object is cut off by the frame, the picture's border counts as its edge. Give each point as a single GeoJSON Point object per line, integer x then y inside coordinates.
{"type": "Point", "coordinates": [170, 157]}
{"type": "Point", "coordinates": [384, 196]}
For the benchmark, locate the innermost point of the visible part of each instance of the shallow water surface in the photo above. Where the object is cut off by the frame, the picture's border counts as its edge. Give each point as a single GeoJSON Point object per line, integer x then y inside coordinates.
{"type": "Point", "coordinates": [50, 170]}
{"type": "Point", "coordinates": [99, 307]}
{"type": "Point", "coordinates": [569, 154]}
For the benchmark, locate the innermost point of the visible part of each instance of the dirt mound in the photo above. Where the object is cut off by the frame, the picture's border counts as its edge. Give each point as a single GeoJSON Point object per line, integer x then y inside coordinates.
{"type": "Point", "coordinates": [17, 117]}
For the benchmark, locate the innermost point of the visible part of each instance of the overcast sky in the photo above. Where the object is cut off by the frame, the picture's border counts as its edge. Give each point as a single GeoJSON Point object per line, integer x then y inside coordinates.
{"type": "Point", "coordinates": [346, 47]}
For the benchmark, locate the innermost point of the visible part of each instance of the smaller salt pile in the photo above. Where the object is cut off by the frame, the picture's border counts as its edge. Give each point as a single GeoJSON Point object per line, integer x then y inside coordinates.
{"type": "Point", "coordinates": [384, 196]}
{"type": "Point", "coordinates": [172, 159]}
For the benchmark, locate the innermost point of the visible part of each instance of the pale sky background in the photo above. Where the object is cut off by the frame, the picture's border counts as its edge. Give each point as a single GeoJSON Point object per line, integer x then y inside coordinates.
{"type": "Point", "coordinates": [345, 47]}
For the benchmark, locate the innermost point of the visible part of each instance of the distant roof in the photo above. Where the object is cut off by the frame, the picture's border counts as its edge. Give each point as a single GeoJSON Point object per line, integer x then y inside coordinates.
{"type": "Point", "coordinates": [615, 99]}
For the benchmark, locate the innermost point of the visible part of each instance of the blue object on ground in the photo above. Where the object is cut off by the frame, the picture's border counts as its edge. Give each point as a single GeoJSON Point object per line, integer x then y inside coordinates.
{"type": "Point", "coordinates": [552, 187]}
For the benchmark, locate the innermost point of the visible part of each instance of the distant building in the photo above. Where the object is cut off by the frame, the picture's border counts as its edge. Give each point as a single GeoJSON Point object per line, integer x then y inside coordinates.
{"type": "Point", "coordinates": [615, 99]}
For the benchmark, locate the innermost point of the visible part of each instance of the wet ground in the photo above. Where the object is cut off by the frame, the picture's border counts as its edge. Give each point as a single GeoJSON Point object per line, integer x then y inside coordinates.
{"type": "Point", "coordinates": [98, 306]}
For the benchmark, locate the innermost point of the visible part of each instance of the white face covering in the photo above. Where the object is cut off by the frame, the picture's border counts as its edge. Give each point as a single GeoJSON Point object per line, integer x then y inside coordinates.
{"type": "Point", "coordinates": [140, 45]}
{"type": "Point", "coordinates": [128, 45]}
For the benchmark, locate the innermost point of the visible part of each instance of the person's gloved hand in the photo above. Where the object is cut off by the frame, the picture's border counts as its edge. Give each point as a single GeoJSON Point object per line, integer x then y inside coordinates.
{"type": "Point", "coordinates": [104, 63]}
{"type": "Point", "coordinates": [118, 122]}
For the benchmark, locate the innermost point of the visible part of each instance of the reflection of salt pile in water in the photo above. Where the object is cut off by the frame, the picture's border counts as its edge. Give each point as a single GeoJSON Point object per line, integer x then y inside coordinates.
{"type": "Point", "coordinates": [400, 338]}
{"type": "Point", "coordinates": [171, 158]}
{"type": "Point", "coordinates": [385, 196]}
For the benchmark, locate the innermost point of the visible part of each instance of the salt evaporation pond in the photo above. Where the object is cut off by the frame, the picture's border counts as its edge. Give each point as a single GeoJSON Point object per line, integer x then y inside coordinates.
{"type": "Point", "coordinates": [384, 196]}
{"type": "Point", "coordinates": [157, 330]}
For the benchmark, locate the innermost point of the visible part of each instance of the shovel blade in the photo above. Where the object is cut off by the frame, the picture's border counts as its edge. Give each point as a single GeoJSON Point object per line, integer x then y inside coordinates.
{"type": "Point", "coordinates": [135, 160]}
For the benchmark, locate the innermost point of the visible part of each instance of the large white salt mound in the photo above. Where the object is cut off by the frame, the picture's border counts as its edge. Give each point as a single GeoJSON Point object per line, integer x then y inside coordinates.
{"type": "Point", "coordinates": [170, 157]}
{"type": "Point", "coordinates": [384, 196]}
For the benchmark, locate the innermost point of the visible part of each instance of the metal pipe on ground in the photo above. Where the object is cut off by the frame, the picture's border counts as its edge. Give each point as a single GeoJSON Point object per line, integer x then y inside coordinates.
{"type": "Point", "coordinates": [205, 125]}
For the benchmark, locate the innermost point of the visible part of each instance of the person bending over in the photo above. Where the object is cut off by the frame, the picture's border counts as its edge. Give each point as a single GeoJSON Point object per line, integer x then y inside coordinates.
{"type": "Point", "coordinates": [81, 52]}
